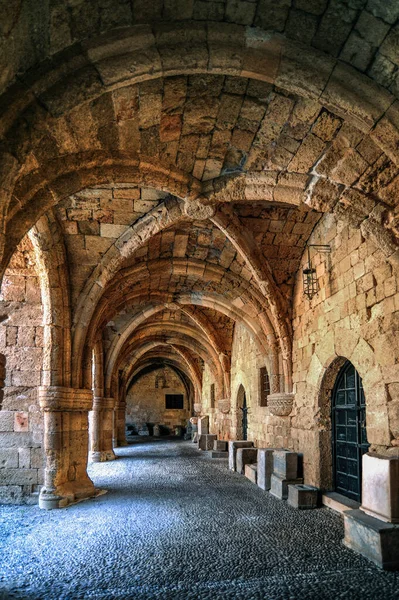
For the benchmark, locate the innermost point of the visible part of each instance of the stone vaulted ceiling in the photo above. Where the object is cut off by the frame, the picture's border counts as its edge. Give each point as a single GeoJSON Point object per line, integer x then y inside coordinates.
{"type": "Point", "coordinates": [171, 160]}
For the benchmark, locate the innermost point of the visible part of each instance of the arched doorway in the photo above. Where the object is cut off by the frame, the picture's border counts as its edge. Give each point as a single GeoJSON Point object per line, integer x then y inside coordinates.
{"type": "Point", "coordinates": [349, 436]}
{"type": "Point", "coordinates": [242, 414]}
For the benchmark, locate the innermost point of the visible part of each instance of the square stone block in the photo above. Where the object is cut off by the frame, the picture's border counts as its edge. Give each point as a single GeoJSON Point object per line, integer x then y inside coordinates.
{"type": "Point", "coordinates": [302, 496]}
{"type": "Point", "coordinates": [203, 425]}
{"type": "Point", "coordinates": [279, 486]}
{"type": "Point", "coordinates": [376, 540]}
{"type": "Point", "coordinates": [380, 487]}
{"type": "Point", "coordinates": [285, 464]}
{"type": "Point", "coordinates": [251, 472]}
{"type": "Point", "coordinates": [220, 446]}
{"type": "Point", "coordinates": [265, 467]}
{"type": "Point", "coordinates": [245, 456]}
{"type": "Point", "coordinates": [233, 445]}
{"type": "Point", "coordinates": [205, 442]}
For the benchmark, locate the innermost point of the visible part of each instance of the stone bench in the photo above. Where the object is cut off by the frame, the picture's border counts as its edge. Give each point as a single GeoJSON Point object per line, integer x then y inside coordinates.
{"type": "Point", "coordinates": [287, 468]}
{"type": "Point", "coordinates": [302, 496]}
{"type": "Point", "coordinates": [206, 441]}
{"type": "Point", "coordinates": [219, 454]}
{"type": "Point", "coordinates": [265, 467]}
{"type": "Point", "coordinates": [233, 446]}
{"type": "Point", "coordinates": [220, 446]}
{"type": "Point", "coordinates": [251, 472]}
{"type": "Point", "coordinates": [245, 456]}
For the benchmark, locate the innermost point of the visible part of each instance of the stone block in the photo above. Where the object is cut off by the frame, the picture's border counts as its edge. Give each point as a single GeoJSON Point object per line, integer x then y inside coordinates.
{"type": "Point", "coordinates": [376, 540]}
{"type": "Point", "coordinates": [251, 472]}
{"type": "Point", "coordinates": [18, 476]}
{"type": "Point", "coordinates": [245, 456]}
{"type": "Point", "coordinates": [302, 496]}
{"type": "Point", "coordinates": [220, 446]}
{"type": "Point", "coordinates": [279, 486]}
{"type": "Point", "coordinates": [10, 494]}
{"type": "Point", "coordinates": [24, 458]}
{"type": "Point", "coordinates": [285, 464]}
{"type": "Point", "coordinates": [233, 446]}
{"type": "Point", "coordinates": [7, 420]}
{"type": "Point", "coordinates": [380, 487]}
{"type": "Point", "coordinates": [203, 425]}
{"type": "Point", "coordinates": [265, 467]}
{"type": "Point", "coordinates": [206, 441]}
{"type": "Point", "coordinates": [9, 458]}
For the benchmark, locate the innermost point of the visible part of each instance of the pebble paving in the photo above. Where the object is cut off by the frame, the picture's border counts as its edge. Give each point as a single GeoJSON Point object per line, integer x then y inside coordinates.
{"type": "Point", "coordinates": [175, 524]}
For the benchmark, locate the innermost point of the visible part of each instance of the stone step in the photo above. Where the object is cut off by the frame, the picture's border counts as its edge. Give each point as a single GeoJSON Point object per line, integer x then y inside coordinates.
{"type": "Point", "coordinates": [219, 454]}
{"type": "Point", "coordinates": [338, 502]}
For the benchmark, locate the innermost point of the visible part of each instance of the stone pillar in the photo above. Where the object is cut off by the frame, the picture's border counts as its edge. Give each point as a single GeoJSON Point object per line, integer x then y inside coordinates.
{"type": "Point", "coordinates": [120, 417]}
{"type": "Point", "coordinates": [101, 447]}
{"type": "Point", "coordinates": [65, 445]}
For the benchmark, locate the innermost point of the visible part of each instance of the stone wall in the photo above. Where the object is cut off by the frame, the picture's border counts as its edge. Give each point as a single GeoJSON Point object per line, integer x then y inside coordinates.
{"type": "Point", "coordinates": [353, 316]}
{"type": "Point", "coordinates": [145, 403]}
{"type": "Point", "coordinates": [245, 371]}
{"type": "Point", "coordinates": [21, 342]}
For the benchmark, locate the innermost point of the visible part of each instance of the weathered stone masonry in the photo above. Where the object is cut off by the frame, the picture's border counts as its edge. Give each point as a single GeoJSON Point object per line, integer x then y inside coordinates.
{"type": "Point", "coordinates": [164, 168]}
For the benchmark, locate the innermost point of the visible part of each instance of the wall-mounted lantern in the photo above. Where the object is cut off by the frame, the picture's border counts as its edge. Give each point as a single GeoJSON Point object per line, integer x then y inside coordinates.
{"type": "Point", "coordinates": [310, 285]}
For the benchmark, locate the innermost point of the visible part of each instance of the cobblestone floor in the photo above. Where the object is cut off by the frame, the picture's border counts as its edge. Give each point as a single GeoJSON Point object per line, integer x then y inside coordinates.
{"type": "Point", "coordinates": [176, 525]}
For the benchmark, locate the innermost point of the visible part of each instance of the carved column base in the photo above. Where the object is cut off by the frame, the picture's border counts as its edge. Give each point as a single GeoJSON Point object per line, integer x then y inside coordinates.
{"type": "Point", "coordinates": [102, 456]}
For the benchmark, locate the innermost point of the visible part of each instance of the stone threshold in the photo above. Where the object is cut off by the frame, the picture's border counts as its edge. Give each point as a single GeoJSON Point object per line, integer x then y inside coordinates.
{"type": "Point", "coordinates": [338, 502]}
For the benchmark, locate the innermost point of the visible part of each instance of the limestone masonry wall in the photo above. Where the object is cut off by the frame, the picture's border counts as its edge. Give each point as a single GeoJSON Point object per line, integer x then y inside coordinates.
{"type": "Point", "coordinates": [354, 316]}
{"type": "Point", "coordinates": [145, 403]}
{"type": "Point", "coordinates": [21, 342]}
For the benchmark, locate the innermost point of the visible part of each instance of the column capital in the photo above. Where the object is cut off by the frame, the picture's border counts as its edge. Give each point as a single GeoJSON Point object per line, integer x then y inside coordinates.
{"type": "Point", "coordinates": [100, 402]}
{"type": "Point", "coordinates": [280, 404]}
{"type": "Point", "coordinates": [57, 398]}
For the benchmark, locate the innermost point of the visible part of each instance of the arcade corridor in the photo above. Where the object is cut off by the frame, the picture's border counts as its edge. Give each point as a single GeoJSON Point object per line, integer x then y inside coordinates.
{"type": "Point", "coordinates": [175, 524]}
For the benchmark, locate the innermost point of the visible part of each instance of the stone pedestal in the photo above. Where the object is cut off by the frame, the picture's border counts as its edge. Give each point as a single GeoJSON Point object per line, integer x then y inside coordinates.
{"type": "Point", "coordinates": [220, 446]}
{"type": "Point", "coordinates": [279, 486]}
{"type": "Point", "coordinates": [233, 445]}
{"type": "Point", "coordinates": [66, 440]}
{"type": "Point", "coordinates": [265, 467]}
{"type": "Point", "coordinates": [302, 496]}
{"type": "Point", "coordinates": [380, 487]}
{"type": "Point", "coordinates": [101, 447]}
{"type": "Point", "coordinates": [245, 456]}
{"type": "Point", "coordinates": [375, 539]}
{"type": "Point", "coordinates": [251, 472]}
{"type": "Point", "coordinates": [206, 441]}
{"type": "Point", "coordinates": [203, 425]}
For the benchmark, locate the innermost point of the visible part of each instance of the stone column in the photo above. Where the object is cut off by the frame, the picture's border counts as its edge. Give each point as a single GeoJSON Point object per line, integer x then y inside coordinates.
{"type": "Point", "coordinates": [65, 444]}
{"type": "Point", "coordinates": [101, 447]}
{"type": "Point", "coordinates": [120, 417]}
